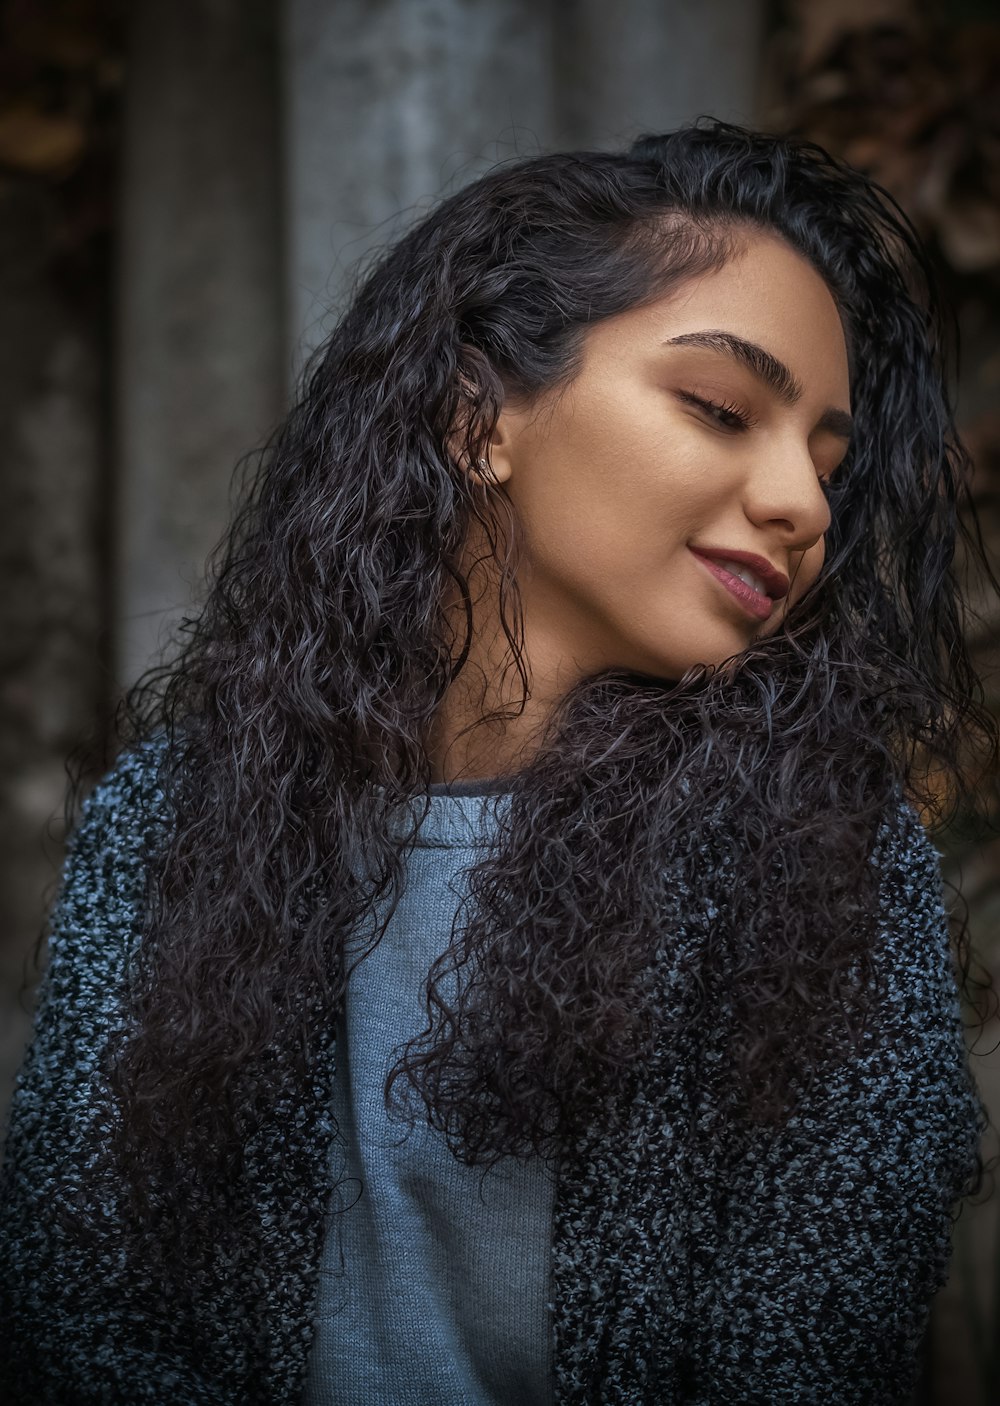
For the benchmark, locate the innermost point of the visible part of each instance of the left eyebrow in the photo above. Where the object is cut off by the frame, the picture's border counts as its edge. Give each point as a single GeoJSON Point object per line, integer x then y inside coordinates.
{"type": "Point", "coordinates": [768, 370]}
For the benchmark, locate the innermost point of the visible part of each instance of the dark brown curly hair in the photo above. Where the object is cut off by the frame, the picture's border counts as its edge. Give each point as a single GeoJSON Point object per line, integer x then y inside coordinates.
{"type": "Point", "coordinates": [297, 710]}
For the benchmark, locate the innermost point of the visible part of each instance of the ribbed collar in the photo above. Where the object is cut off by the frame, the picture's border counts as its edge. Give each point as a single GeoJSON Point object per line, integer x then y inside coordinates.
{"type": "Point", "coordinates": [461, 817]}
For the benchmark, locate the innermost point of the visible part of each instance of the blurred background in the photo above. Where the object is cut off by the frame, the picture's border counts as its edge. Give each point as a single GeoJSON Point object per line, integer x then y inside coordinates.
{"type": "Point", "coordinates": [185, 193]}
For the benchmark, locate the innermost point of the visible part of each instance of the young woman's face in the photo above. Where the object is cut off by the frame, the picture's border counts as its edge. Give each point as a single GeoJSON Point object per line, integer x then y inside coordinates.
{"type": "Point", "coordinates": [621, 480]}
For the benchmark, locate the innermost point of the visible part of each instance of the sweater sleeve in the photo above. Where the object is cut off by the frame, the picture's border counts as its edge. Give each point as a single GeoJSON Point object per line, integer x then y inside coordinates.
{"type": "Point", "coordinates": [826, 1241]}
{"type": "Point", "coordinates": [65, 1332]}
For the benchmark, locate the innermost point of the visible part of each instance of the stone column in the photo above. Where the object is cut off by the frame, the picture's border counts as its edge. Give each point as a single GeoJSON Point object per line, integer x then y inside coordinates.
{"type": "Point", "coordinates": [390, 105]}
{"type": "Point", "coordinates": [200, 343]}
{"type": "Point", "coordinates": [649, 65]}
{"type": "Point", "coordinates": [52, 393]}
{"type": "Point", "coordinates": [387, 106]}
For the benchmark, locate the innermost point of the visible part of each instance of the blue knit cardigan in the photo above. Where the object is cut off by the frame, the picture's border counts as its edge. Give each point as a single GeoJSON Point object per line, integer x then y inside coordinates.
{"type": "Point", "coordinates": [695, 1259]}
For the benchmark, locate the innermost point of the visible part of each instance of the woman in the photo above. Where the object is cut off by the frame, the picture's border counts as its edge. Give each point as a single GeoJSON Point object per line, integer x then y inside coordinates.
{"type": "Point", "coordinates": [509, 965]}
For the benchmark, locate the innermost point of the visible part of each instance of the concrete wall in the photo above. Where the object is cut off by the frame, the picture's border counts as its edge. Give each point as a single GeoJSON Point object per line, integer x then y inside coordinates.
{"type": "Point", "coordinates": [52, 530]}
{"type": "Point", "coordinates": [200, 376]}
{"type": "Point", "coordinates": [390, 104]}
{"type": "Point", "coordinates": [269, 148]}
{"type": "Point", "coordinates": [266, 149]}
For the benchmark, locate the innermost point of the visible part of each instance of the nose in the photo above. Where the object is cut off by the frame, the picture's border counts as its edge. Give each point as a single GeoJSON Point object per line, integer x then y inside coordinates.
{"type": "Point", "coordinates": [783, 494]}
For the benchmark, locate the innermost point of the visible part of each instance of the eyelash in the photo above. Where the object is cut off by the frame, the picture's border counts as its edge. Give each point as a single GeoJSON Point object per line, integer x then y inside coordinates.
{"type": "Point", "coordinates": [743, 421]}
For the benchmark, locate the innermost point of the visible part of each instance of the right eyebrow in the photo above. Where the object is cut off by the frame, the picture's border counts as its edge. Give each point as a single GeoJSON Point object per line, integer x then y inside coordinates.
{"type": "Point", "coordinates": [768, 370]}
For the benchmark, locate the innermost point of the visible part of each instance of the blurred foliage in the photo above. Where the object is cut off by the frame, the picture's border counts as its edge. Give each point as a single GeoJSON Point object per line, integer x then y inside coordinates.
{"type": "Point", "coordinates": [905, 93]}
{"type": "Point", "coordinates": [909, 92]}
{"type": "Point", "coordinates": [61, 70]}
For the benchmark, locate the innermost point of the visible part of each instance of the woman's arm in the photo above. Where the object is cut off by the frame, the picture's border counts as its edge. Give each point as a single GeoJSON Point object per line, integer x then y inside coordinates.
{"type": "Point", "coordinates": [71, 1330]}
{"type": "Point", "coordinates": [832, 1237]}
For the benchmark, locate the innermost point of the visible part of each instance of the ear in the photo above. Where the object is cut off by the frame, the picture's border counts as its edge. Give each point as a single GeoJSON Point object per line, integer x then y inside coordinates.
{"type": "Point", "coordinates": [493, 465]}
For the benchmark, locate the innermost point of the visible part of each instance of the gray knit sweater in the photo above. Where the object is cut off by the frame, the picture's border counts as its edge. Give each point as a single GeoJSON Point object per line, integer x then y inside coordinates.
{"type": "Point", "coordinates": [695, 1259]}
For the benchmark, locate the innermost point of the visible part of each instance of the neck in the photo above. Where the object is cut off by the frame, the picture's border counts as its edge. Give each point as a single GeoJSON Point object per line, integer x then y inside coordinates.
{"type": "Point", "coordinates": [485, 726]}
{"type": "Point", "coordinates": [466, 743]}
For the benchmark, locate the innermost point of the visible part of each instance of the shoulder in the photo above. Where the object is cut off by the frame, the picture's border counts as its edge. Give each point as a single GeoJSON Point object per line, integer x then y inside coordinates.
{"type": "Point", "coordinates": [64, 1285]}
{"type": "Point", "coordinates": [92, 930]}
{"type": "Point", "coordinates": [127, 803]}
{"type": "Point", "coordinates": [119, 823]}
{"type": "Point", "coordinates": [912, 1085]}
{"type": "Point", "coordinates": [99, 905]}
{"type": "Point", "coordinates": [913, 933]}
{"type": "Point", "coordinates": [903, 842]}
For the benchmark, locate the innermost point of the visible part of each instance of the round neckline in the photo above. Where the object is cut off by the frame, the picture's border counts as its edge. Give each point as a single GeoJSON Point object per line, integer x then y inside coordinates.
{"type": "Point", "coordinates": [476, 786]}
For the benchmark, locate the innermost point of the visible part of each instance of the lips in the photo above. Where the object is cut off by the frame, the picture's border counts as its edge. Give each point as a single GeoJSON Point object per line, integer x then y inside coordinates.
{"type": "Point", "coordinates": [769, 580]}
{"type": "Point", "coordinates": [754, 602]}
{"type": "Point", "coordinates": [744, 573]}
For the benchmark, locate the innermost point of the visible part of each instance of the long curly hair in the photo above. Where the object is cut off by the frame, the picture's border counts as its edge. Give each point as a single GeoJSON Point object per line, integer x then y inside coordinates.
{"type": "Point", "coordinates": [296, 713]}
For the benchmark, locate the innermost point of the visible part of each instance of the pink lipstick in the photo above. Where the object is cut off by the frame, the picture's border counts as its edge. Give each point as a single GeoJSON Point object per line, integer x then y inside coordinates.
{"type": "Point", "coordinates": [756, 604]}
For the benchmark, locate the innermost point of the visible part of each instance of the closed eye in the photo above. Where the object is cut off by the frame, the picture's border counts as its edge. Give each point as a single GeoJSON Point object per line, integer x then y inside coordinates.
{"type": "Point", "coordinates": [728, 416]}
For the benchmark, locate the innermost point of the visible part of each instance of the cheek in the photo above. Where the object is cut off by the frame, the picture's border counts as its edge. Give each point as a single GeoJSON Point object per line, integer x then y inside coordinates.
{"type": "Point", "coordinates": [808, 569]}
{"type": "Point", "coordinates": [805, 574]}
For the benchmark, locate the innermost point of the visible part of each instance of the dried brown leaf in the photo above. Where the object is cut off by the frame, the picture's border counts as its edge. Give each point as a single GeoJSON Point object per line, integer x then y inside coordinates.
{"type": "Point", "coordinates": [39, 142]}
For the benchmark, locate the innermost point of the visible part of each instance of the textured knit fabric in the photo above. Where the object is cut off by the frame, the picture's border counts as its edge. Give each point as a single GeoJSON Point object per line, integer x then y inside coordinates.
{"type": "Point", "coordinates": [695, 1259]}
{"type": "Point", "coordinates": [434, 1283]}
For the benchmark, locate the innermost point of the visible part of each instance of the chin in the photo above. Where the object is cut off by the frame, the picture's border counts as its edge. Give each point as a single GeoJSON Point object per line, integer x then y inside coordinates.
{"type": "Point", "coordinates": [671, 671]}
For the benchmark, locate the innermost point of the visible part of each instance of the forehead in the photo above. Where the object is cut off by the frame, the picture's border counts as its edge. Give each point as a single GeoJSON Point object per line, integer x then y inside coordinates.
{"type": "Point", "coordinates": [766, 293]}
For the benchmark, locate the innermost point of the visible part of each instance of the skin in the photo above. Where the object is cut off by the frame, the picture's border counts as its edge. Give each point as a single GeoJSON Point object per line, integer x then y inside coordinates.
{"type": "Point", "coordinates": [615, 476]}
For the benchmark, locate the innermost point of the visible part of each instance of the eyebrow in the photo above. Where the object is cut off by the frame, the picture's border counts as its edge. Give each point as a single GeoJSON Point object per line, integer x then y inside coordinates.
{"type": "Point", "coordinates": [768, 370]}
